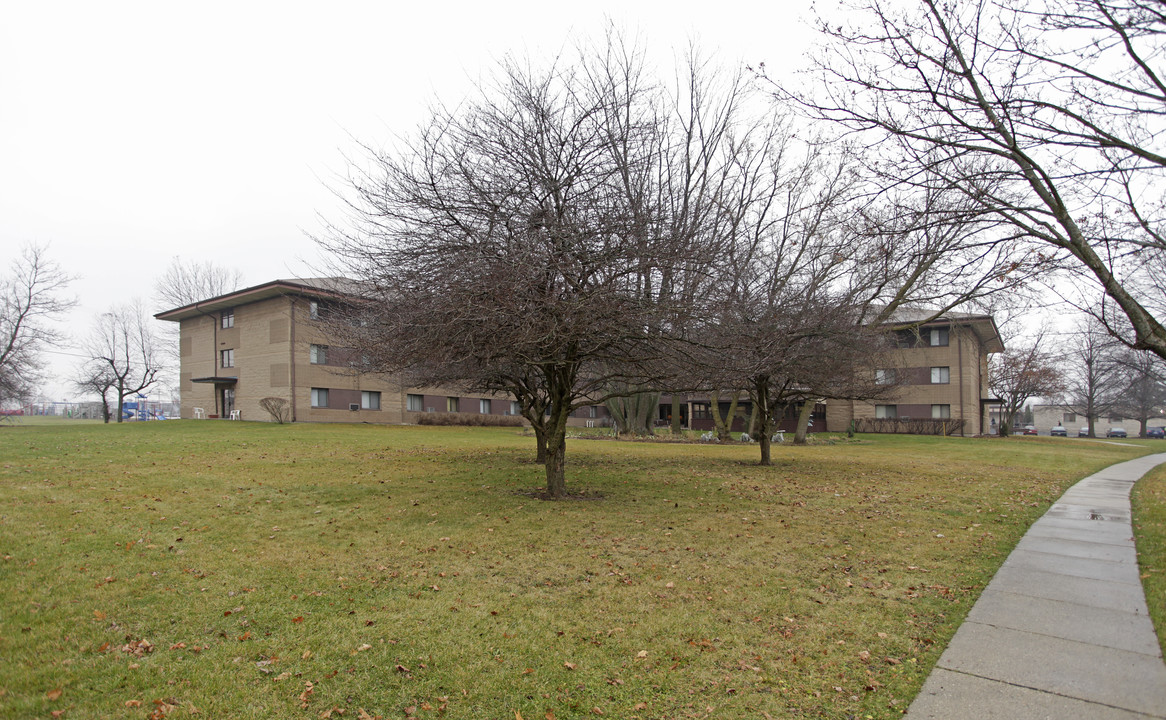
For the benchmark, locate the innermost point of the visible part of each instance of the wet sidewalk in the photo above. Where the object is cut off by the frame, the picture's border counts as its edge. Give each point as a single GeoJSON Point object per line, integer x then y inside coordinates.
{"type": "Point", "coordinates": [1062, 631]}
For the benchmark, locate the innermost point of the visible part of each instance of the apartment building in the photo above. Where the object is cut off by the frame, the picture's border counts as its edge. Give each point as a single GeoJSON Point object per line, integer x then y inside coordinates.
{"type": "Point", "coordinates": [937, 378]}
{"type": "Point", "coordinates": [272, 340]}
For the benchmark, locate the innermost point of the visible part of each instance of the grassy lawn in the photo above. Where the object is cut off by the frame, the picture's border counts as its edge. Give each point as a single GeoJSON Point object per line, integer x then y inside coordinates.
{"type": "Point", "coordinates": [248, 570]}
{"type": "Point", "coordinates": [1149, 504]}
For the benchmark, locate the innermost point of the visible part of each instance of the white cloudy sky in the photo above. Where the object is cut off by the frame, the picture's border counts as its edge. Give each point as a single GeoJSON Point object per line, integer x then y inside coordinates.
{"type": "Point", "coordinates": [134, 132]}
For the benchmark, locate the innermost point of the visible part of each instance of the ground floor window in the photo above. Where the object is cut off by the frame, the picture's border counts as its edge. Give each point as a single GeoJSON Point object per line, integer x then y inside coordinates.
{"type": "Point", "coordinates": [414, 403]}
{"type": "Point", "coordinates": [320, 397]}
{"type": "Point", "coordinates": [941, 412]}
{"type": "Point", "coordinates": [451, 404]}
{"type": "Point", "coordinates": [886, 411]}
{"type": "Point", "coordinates": [370, 400]}
{"type": "Point", "coordinates": [484, 406]}
{"type": "Point", "coordinates": [515, 408]}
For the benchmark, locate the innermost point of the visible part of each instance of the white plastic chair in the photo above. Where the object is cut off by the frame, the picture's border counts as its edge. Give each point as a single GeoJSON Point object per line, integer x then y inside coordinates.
{"type": "Point", "coordinates": [235, 415]}
{"type": "Point", "coordinates": [199, 414]}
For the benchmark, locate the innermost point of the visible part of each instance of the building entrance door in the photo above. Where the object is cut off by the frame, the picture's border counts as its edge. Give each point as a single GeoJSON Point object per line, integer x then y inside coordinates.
{"type": "Point", "coordinates": [228, 401]}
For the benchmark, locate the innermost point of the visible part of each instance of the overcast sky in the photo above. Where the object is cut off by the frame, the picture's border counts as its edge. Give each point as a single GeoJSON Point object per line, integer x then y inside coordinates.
{"type": "Point", "coordinates": [135, 132]}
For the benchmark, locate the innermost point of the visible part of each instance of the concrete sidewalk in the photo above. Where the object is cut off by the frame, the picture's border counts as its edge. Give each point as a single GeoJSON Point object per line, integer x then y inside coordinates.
{"type": "Point", "coordinates": [1062, 631]}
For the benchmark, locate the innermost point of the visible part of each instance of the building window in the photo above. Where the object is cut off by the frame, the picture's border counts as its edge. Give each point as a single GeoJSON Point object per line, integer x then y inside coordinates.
{"type": "Point", "coordinates": [415, 403]}
{"type": "Point", "coordinates": [320, 397]}
{"type": "Point", "coordinates": [451, 404]}
{"type": "Point", "coordinates": [484, 406]}
{"type": "Point", "coordinates": [318, 354]}
{"type": "Point", "coordinates": [1115, 418]}
{"type": "Point", "coordinates": [883, 412]}
{"type": "Point", "coordinates": [313, 310]}
{"type": "Point", "coordinates": [1069, 418]}
{"type": "Point", "coordinates": [940, 375]}
{"type": "Point", "coordinates": [939, 337]}
{"type": "Point", "coordinates": [227, 358]}
{"type": "Point", "coordinates": [228, 316]}
{"type": "Point", "coordinates": [940, 412]}
{"type": "Point", "coordinates": [370, 400]}
{"type": "Point", "coordinates": [701, 411]}
{"type": "Point", "coordinates": [592, 411]}
{"type": "Point", "coordinates": [515, 408]}
{"type": "Point", "coordinates": [885, 377]}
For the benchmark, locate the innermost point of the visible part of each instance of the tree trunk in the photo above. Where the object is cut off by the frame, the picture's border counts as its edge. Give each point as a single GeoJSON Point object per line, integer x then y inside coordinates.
{"type": "Point", "coordinates": [724, 425]}
{"type": "Point", "coordinates": [556, 436]}
{"type": "Point", "coordinates": [804, 422]}
{"type": "Point", "coordinates": [540, 440]}
{"type": "Point", "coordinates": [676, 426]}
{"type": "Point", "coordinates": [120, 404]}
{"type": "Point", "coordinates": [556, 460]}
{"type": "Point", "coordinates": [764, 421]}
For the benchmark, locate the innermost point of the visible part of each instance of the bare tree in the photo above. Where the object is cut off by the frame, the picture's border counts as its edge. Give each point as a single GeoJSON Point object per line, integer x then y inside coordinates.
{"type": "Point", "coordinates": [1044, 115]}
{"type": "Point", "coordinates": [122, 352]}
{"type": "Point", "coordinates": [523, 241]}
{"type": "Point", "coordinates": [99, 380]}
{"type": "Point", "coordinates": [186, 282]}
{"type": "Point", "coordinates": [30, 296]}
{"type": "Point", "coordinates": [1019, 374]}
{"type": "Point", "coordinates": [1143, 394]}
{"type": "Point", "coordinates": [1094, 377]}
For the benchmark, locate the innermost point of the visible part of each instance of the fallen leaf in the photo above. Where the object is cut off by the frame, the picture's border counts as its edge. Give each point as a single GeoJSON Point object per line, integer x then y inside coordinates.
{"type": "Point", "coordinates": [57, 713]}
{"type": "Point", "coordinates": [517, 715]}
{"type": "Point", "coordinates": [642, 654]}
{"type": "Point", "coordinates": [364, 647]}
{"type": "Point", "coordinates": [54, 695]}
{"type": "Point", "coordinates": [133, 703]}
{"type": "Point", "coordinates": [98, 615]}
{"type": "Point", "coordinates": [640, 706]}
{"type": "Point", "coordinates": [402, 668]}
{"type": "Point", "coordinates": [299, 619]}
{"type": "Point", "coordinates": [569, 665]}
{"type": "Point", "coordinates": [549, 716]}
{"type": "Point", "coordinates": [307, 654]}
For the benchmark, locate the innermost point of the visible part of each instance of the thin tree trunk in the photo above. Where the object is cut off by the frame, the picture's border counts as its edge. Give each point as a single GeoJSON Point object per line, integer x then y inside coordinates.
{"type": "Point", "coordinates": [761, 407]}
{"type": "Point", "coordinates": [803, 422]}
{"type": "Point", "coordinates": [540, 440]}
{"type": "Point", "coordinates": [676, 426]}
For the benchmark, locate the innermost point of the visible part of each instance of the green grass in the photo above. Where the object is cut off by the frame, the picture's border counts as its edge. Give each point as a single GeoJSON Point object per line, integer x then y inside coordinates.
{"type": "Point", "coordinates": [408, 572]}
{"type": "Point", "coordinates": [1149, 505]}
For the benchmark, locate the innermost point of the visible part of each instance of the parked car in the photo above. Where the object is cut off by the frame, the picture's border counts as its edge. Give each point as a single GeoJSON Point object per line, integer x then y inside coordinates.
{"type": "Point", "coordinates": [1059, 431]}
{"type": "Point", "coordinates": [1029, 430]}
{"type": "Point", "coordinates": [1156, 432]}
{"type": "Point", "coordinates": [1083, 432]}
{"type": "Point", "coordinates": [1116, 432]}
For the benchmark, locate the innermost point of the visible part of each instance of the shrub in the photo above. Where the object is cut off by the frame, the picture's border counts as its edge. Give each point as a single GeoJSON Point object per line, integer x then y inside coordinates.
{"type": "Point", "coordinates": [278, 408]}
{"type": "Point", "coordinates": [471, 419]}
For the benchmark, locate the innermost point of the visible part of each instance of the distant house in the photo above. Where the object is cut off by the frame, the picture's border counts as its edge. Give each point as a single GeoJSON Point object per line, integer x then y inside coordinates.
{"type": "Point", "coordinates": [273, 340]}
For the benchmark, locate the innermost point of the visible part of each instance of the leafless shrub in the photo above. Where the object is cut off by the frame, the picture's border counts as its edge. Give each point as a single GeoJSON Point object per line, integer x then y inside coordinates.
{"type": "Point", "coordinates": [278, 408]}
{"type": "Point", "coordinates": [470, 419]}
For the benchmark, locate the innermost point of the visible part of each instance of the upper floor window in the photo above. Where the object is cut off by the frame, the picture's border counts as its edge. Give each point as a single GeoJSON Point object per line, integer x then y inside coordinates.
{"type": "Point", "coordinates": [885, 377]}
{"type": "Point", "coordinates": [228, 317]}
{"type": "Point", "coordinates": [227, 358]}
{"type": "Point", "coordinates": [939, 337]}
{"type": "Point", "coordinates": [1069, 417]}
{"type": "Point", "coordinates": [940, 375]}
{"type": "Point", "coordinates": [313, 310]}
{"type": "Point", "coordinates": [318, 354]}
